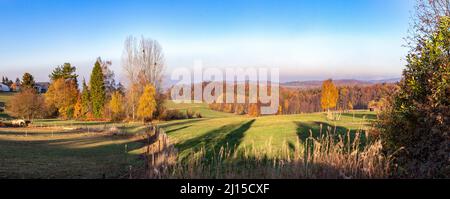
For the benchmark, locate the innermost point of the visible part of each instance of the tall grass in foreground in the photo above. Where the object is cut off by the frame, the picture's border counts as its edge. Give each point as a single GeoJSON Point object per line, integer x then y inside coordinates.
{"type": "Point", "coordinates": [326, 156]}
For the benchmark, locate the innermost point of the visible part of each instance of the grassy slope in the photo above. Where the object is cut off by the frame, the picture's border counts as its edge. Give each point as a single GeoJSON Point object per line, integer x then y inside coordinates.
{"type": "Point", "coordinates": [57, 153]}
{"type": "Point", "coordinates": [62, 154]}
{"type": "Point", "coordinates": [201, 108]}
{"type": "Point", "coordinates": [270, 131]}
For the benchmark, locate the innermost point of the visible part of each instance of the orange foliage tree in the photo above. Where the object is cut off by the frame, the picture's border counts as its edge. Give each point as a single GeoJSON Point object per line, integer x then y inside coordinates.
{"type": "Point", "coordinates": [62, 94]}
{"type": "Point", "coordinates": [329, 96]}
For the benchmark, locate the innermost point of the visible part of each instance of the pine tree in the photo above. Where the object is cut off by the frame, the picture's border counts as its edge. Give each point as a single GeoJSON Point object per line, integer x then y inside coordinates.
{"type": "Point", "coordinates": [97, 89]}
{"type": "Point", "coordinates": [28, 81]}
{"type": "Point", "coordinates": [66, 71]}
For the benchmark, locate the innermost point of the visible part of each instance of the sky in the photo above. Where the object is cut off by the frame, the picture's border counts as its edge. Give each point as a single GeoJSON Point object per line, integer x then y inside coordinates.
{"type": "Point", "coordinates": [306, 39]}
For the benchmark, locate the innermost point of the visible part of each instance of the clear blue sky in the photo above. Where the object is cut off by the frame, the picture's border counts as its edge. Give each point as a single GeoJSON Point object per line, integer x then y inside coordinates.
{"type": "Point", "coordinates": [307, 39]}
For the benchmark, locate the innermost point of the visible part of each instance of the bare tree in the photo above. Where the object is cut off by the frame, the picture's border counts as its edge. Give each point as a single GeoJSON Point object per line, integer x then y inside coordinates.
{"type": "Point", "coordinates": [143, 64]}
{"type": "Point", "coordinates": [129, 58]}
{"type": "Point", "coordinates": [108, 77]}
{"type": "Point", "coordinates": [425, 20]}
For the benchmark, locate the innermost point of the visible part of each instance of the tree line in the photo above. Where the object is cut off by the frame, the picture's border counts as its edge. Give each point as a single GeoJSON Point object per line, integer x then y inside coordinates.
{"type": "Point", "coordinates": [327, 98]}
{"type": "Point", "coordinates": [101, 98]}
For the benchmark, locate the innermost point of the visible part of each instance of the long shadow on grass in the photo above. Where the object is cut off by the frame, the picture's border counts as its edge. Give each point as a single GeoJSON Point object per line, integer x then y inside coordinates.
{"type": "Point", "coordinates": [177, 129]}
{"type": "Point", "coordinates": [102, 156]}
{"type": "Point", "coordinates": [228, 135]}
{"type": "Point", "coordinates": [318, 129]}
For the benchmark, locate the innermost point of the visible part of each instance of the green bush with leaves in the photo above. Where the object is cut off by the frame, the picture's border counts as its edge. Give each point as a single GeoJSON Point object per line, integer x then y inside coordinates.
{"type": "Point", "coordinates": [416, 125]}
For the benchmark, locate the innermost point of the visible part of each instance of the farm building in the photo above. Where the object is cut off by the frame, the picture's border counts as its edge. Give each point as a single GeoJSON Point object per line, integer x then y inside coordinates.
{"type": "Point", "coordinates": [42, 87]}
{"type": "Point", "coordinates": [4, 88]}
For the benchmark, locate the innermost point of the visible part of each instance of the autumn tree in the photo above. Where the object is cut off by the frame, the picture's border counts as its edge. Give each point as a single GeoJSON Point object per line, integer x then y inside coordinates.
{"type": "Point", "coordinates": [27, 104]}
{"type": "Point", "coordinates": [78, 109]}
{"type": "Point", "coordinates": [147, 103]}
{"type": "Point", "coordinates": [143, 63]}
{"type": "Point", "coordinates": [97, 90]}
{"type": "Point", "coordinates": [27, 81]}
{"type": "Point", "coordinates": [254, 110]}
{"type": "Point", "coordinates": [62, 94]}
{"type": "Point", "coordinates": [116, 105]}
{"type": "Point", "coordinates": [329, 95]}
{"type": "Point", "coordinates": [132, 98]}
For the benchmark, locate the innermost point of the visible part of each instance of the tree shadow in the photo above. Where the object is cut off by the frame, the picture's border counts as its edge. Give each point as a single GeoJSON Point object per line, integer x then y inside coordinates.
{"type": "Point", "coordinates": [98, 156]}
{"type": "Point", "coordinates": [234, 138]}
{"type": "Point", "coordinates": [228, 135]}
{"type": "Point", "coordinates": [318, 129]}
{"type": "Point", "coordinates": [177, 129]}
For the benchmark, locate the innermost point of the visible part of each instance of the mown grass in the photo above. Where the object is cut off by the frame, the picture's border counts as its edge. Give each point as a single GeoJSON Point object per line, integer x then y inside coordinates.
{"type": "Point", "coordinates": [52, 148]}
{"type": "Point", "coordinates": [210, 134]}
{"type": "Point", "coordinates": [58, 153]}
{"type": "Point", "coordinates": [201, 108]}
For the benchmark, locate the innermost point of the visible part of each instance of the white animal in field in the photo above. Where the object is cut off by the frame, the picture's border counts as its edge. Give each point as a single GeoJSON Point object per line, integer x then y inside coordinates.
{"type": "Point", "coordinates": [19, 122]}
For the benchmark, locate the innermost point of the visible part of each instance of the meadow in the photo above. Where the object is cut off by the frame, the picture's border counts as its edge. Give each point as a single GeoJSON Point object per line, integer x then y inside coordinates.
{"type": "Point", "coordinates": [52, 148]}
{"type": "Point", "coordinates": [214, 132]}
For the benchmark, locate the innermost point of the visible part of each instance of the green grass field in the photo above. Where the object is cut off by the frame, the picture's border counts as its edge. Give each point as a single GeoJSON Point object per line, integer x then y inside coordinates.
{"type": "Point", "coordinates": [55, 152]}
{"type": "Point", "coordinates": [47, 150]}
{"type": "Point", "coordinates": [213, 132]}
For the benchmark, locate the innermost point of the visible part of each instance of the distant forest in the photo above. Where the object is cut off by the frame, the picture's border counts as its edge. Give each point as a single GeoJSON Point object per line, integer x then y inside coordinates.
{"type": "Point", "coordinates": [301, 100]}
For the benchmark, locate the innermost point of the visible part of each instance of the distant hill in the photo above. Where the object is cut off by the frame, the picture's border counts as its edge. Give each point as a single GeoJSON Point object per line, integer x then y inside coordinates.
{"type": "Point", "coordinates": [341, 82]}
{"type": "Point", "coordinates": [314, 83]}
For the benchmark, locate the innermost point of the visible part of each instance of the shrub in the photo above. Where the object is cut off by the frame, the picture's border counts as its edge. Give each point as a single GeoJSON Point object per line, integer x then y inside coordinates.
{"type": "Point", "coordinates": [172, 115]}
{"type": "Point", "coordinates": [418, 117]}
{"type": "Point", "coordinates": [27, 104]}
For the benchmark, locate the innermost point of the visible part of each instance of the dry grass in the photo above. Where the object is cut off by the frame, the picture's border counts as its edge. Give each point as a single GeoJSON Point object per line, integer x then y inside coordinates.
{"type": "Point", "coordinates": [327, 156]}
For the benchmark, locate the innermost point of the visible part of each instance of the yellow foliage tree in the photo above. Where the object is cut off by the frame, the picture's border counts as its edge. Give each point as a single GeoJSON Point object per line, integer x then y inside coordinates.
{"type": "Point", "coordinates": [78, 109]}
{"type": "Point", "coordinates": [147, 103]}
{"type": "Point", "coordinates": [132, 100]}
{"type": "Point", "coordinates": [254, 110]}
{"type": "Point", "coordinates": [330, 95]}
{"type": "Point", "coordinates": [62, 94]}
{"type": "Point", "coordinates": [116, 104]}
